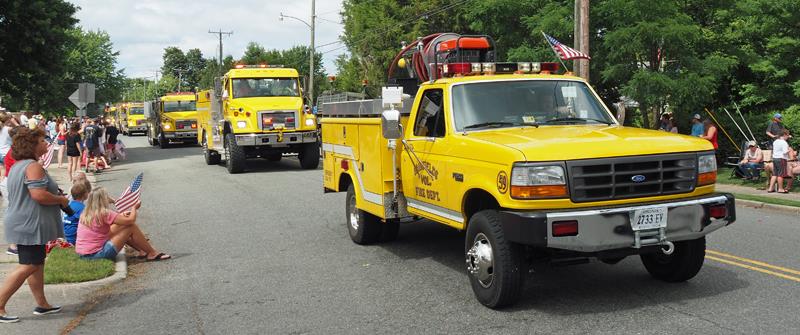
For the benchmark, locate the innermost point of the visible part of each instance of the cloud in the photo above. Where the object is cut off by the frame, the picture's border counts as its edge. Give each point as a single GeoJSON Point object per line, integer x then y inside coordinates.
{"type": "Point", "coordinates": [141, 29]}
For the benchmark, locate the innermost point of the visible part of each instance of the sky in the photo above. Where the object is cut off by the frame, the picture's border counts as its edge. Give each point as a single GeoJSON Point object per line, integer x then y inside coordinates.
{"type": "Point", "coordinates": [141, 29]}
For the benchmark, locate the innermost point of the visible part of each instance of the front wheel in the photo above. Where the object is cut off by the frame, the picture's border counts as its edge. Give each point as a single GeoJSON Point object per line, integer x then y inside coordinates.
{"type": "Point", "coordinates": [363, 227]}
{"type": "Point", "coordinates": [235, 158]}
{"type": "Point", "coordinates": [495, 266]}
{"type": "Point", "coordinates": [683, 264]}
{"type": "Point", "coordinates": [309, 156]}
{"type": "Point", "coordinates": [163, 143]}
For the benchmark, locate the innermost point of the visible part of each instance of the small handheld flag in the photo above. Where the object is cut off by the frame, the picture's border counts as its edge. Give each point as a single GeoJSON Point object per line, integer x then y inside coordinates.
{"type": "Point", "coordinates": [131, 196]}
{"type": "Point", "coordinates": [48, 157]}
{"type": "Point", "coordinates": [564, 52]}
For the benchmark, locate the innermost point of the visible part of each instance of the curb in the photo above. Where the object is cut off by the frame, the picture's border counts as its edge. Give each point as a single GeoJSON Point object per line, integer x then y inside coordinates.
{"type": "Point", "coordinates": [120, 273]}
{"type": "Point", "coordinates": [764, 205]}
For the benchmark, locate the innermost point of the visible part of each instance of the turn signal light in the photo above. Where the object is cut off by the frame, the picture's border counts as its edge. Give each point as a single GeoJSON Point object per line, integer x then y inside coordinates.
{"type": "Point", "coordinates": [194, 125]}
{"type": "Point", "coordinates": [565, 228]}
{"type": "Point", "coordinates": [707, 178]}
{"type": "Point", "coordinates": [718, 211]}
{"type": "Point", "coordinates": [539, 191]}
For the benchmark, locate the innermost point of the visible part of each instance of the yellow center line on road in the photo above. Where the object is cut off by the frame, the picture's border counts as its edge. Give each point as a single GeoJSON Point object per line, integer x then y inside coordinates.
{"type": "Point", "coordinates": [777, 274]}
{"type": "Point", "coordinates": [754, 262]}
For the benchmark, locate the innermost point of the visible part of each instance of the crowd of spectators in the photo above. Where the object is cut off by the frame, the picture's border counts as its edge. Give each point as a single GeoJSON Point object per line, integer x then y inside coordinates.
{"type": "Point", "coordinates": [34, 202]}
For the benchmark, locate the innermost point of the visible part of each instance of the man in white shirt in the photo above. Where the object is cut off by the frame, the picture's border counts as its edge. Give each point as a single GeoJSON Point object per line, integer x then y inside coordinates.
{"type": "Point", "coordinates": [753, 159]}
{"type": "Point", "coordinates": [780, 158]}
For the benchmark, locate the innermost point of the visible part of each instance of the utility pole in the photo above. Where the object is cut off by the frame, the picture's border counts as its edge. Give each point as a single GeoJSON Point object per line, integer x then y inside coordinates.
{"type": "Point", "coordinates": [220, 33]}
{"type": "Point", "coordinates": [581, 37]}
{"type": "Point", "coordinates": [311, 59]}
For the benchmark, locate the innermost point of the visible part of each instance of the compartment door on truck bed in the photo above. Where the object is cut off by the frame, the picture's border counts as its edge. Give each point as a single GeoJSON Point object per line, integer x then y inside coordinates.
{"type": "Point", "coordinates": [425, 179]}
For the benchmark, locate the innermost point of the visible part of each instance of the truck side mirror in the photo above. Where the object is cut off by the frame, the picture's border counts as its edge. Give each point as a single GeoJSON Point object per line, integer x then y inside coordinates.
{"type": "Point", "coordinates": [390, 124]}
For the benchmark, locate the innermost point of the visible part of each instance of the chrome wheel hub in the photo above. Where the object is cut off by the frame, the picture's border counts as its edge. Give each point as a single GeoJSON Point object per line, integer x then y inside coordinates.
{"type": "Point", "coordinates": [353, 214]}
{"type": "Point", "coordinates": [480, 262]}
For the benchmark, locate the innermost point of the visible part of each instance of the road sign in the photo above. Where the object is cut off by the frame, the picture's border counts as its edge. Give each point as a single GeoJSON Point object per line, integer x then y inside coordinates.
{"type": "Point", "coordinates": [83, 96]}
{"type": "Point", "coordinates": [76, 100]}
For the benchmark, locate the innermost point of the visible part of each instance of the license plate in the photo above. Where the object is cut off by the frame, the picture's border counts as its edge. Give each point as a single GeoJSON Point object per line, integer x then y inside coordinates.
{"type": "Point", "coordinates": [278, 125]}
{"type": "Point", "coordinates": [649, 218]}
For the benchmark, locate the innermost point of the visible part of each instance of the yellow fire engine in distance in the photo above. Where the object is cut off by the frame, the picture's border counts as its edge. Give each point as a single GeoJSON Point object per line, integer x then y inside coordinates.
{"type": "Point", "coordinates": [256, 111]}
{"type": "Point", "coordinates": [172, 119]}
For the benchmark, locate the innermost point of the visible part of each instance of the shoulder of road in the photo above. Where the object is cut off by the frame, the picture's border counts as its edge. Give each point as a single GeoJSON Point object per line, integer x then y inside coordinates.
{"type": "Point", "coordinates": [759, 198]}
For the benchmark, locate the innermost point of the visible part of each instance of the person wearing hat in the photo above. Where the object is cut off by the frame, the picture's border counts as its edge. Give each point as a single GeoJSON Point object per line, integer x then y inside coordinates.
{"type": "Point", "coordinates": [697, 126]}
{"type": "Point", "coordinates": [775, 128]}
{"type": "Point", "coordinates": [752, 161]}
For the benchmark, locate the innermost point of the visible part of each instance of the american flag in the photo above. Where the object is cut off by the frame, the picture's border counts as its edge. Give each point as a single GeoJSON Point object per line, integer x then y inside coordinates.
{"type": "Point", "coordinates": [48, 157]}
{"type": "Point", "coordinates": [564, 52]}
{"type": "Point", "coordinates": [131, 196]}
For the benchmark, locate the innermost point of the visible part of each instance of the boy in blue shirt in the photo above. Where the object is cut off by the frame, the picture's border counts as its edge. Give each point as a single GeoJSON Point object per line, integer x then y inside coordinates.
{"type": "Point", "coordinates": [697, 126]}
{"type": "Point", "coordinates": [79, 191]}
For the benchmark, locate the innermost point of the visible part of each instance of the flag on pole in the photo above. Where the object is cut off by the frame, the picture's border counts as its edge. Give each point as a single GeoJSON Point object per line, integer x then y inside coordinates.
{"type": "Point", "coordinates": [131, 196]}
{"type": "Point", "coordinates": [48, 157]}
{"type": "Point", "coordinates": [564, 52]}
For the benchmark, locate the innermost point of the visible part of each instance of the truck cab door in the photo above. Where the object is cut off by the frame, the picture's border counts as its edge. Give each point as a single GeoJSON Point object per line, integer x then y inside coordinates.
{"type": "Point", "coordinates": [425, 164]}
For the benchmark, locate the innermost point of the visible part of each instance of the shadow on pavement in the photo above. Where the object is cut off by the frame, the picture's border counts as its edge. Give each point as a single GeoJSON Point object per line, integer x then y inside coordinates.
{"type": "Point", "coordinates": [573, 290]}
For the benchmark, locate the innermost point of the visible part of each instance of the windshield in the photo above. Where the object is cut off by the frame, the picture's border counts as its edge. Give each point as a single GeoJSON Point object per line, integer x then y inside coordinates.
{"type": "Point", "coordinates": [265, 87]}
{"type": "Point", "coordinates": [525, 102]}
{"type": "Point", "coordinates": [136, 111]}
{"type": "Point", "coordinates": [177, 106]}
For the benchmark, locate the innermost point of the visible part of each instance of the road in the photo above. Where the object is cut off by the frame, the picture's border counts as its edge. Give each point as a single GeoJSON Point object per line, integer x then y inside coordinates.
{"type": "Point", "coordinates": [266, 252]}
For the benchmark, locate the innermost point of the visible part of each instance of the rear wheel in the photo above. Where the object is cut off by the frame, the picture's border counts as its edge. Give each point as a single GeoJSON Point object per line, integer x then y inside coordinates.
{"type": "Point", "coordinates": [363, 227]}
{"type": "Point", "coordinates": [683, 264]}
{"type": "Point", "coordinates": [309, 156]}
{"type": "Point", "coordinates": [212, 157]}
{"type": "Point", "coordinates": [235, 158]}
{"type": "Point", "coordinates": [495, 266]}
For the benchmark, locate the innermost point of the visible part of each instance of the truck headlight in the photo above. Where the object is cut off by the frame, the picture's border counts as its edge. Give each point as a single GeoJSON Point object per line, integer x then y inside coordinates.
{"type": "Point", "coordinates": [309, 122]}
{"type": "Point", "coordinates": [241, 124]}
{"type": "Point", "coordinates": [538, 181]}
{"type": "Point", "coordinates": [166, 126]}
{"type": "Point", "coordinates": [706, 169]}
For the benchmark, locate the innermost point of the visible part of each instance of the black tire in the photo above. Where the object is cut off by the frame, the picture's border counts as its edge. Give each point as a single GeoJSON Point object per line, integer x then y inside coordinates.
{"type": "Point", "coordinates": [504, 275]}
{"type": "Point", "coordinates": [364, 228]}
{"type": "Point", "coordinates": [235, 158]}
{"type": "Point", "coordinates": [309, 156]}
{"type": "Point", "coordinates": [274, 157]}
{"type": "Point", "coordinates": [389, 231]}
{"type": "Point", "coordinates": [152, 141]}
{"type": "Point", "coordinates": [163, 143]}
{"type": "Point", "coordinates": [683, 264]}
{"type": "Point", "coordinates": [212, 157]}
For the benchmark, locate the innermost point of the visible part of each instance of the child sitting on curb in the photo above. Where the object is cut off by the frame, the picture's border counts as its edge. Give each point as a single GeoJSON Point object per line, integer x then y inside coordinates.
{"type": "Point", "coordinates": [79, 191]}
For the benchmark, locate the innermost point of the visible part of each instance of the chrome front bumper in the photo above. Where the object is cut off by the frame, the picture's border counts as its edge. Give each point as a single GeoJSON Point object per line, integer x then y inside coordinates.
{"type": "Point", "coordinates": [137, 128]}
{"type": "Point", "coordinates": [601, 229]}
{"type": "Point", "coordinates": [180, 135]}
{"type": "Point", "coordinates": [275, 139]}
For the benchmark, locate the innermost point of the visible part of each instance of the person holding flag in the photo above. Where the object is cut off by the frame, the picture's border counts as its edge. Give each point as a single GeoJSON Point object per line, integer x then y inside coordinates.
{"type": "Point", "coordinates": [103, 232]}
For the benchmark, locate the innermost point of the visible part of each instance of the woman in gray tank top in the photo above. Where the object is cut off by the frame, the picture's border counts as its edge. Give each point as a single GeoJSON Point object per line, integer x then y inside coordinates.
{"type": "Point", "coordinates": [32, 218]}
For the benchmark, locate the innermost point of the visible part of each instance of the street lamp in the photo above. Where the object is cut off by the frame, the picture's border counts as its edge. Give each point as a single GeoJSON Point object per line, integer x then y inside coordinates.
{"type": "Point", "coordinates": [311, 51]}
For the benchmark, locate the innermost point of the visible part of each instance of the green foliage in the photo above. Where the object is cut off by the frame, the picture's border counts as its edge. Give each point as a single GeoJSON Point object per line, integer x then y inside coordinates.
{"type": "Point", "coordinates": [65, 266]}
{"type": "Point", "coordinates": [34, 35]}
{"type": "Point", "coordinates": [91, 58]}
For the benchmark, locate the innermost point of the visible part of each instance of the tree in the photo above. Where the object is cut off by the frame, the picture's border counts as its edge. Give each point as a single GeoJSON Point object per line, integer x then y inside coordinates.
{"type": "Point", "coordinates": [195, 64]}
{"type": "Point", "coordinates": [34, 34]}
{"type": "Point", "coordinates": [91, 58]}
{"type": "Point", "coordinates": [175, 64]}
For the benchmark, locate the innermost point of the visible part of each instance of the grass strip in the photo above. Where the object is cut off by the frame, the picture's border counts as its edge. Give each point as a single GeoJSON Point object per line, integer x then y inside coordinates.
{"type": "Point", "coordinates": [63, 265]}
{"type": "Point", "coordinates": [769, 200]}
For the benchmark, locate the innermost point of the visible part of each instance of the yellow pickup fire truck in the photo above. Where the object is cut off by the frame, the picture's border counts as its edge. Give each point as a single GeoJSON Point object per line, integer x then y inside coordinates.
{"type": "Point", "coordinates": [172, 118]}
{"type": "Point", "coordinates": [132, 119]}
{"type": "Point", "coordinates": [256, 111]}
{"type": "Point", "coordinates": [530, 163]}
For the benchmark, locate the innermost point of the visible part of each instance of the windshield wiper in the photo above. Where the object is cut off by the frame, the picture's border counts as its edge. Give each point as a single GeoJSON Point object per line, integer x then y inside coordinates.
{"type": "Point", "coordinates": [578, 119]}
{"type": "Point", "coordinates": [493, 124]}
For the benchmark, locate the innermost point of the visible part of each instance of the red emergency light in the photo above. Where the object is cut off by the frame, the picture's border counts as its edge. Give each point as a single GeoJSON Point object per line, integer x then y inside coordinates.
{"type": "Point", "coordinates": [465, 43]}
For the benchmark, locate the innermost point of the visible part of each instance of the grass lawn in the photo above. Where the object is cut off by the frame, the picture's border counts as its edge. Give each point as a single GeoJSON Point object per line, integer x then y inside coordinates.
{"type": "Point", "coordinates": [769, 200]}
{"type": "Point", "coordinates": [65, 266]}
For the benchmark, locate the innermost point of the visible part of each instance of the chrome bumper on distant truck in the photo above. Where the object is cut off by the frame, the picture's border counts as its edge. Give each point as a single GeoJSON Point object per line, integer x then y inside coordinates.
{"type": "Point", "coordinates": [137, 128]}
{"type": "Point", "coordinates": [181, 135]}
{"type": "Point", "coordinates": [600, 229]}
{"type": "Point", "coordinates": [275, 139]}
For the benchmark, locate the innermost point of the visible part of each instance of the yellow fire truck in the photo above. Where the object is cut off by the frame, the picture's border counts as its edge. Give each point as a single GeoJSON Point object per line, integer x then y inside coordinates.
{"type": "Point", "coordinates": [530, 163]}
{"type": "Point", "coordinates": [256, 111]}
{"type": "Point", "coordinates": [132, 119]}
{"type": "Point", "coordinates": [172, 118]}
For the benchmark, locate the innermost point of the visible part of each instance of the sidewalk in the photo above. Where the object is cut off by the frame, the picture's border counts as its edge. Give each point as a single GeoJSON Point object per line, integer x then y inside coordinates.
{"type": "Point", "coordinates": [71, 297]}
{"type": "Point", "coordinates": [753, 191]}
